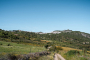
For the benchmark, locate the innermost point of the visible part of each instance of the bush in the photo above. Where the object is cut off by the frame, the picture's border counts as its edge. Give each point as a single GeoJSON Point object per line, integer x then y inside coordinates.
{"type": "Point", "coordinates": [52, 48]}
{"type": "Point", "coordinates": [72, 52]}
{"type": "Point", "coordinates": [9, 44]}
{"type": "Point", "coordinates": [55, 48]}
{"type": "Point", "coordinates": [82, 58]}
{"type": "Point", "coordinates": [46, 46]}
{"type": "Point", "coordinates": [0, 43]}
{"type": "Point", "coordinates": [12, 56]}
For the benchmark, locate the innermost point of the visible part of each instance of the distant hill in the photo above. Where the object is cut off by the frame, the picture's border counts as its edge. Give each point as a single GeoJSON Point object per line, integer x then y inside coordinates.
{"type": "Point", "coordinates": [68, 38]}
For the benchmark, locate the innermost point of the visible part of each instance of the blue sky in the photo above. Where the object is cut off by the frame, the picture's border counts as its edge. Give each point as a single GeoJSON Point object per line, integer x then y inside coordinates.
{"type": "Point", "coordinates": [45, 15]}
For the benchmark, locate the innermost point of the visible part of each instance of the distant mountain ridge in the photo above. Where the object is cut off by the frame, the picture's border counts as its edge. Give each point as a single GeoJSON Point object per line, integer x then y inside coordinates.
{"type": "Point", "coordinates": [66, 31]}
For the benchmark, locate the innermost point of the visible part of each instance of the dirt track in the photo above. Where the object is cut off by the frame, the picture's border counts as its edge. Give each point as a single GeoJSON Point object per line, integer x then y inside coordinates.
{"type": "Point", "coordinates": [58, 57]}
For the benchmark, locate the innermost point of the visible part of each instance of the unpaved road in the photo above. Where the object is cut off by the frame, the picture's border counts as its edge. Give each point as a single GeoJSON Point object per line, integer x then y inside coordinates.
{"type": "Point", "coordinates": [58, 57]}
{"type": "Point", "coordinates": [55, 57]}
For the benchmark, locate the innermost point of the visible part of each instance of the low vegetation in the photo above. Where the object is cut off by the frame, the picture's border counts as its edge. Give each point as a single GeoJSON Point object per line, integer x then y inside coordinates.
{"type": "Point", "coordinates": [9, 47]}
{"type": "Point", "coordinates": [72, 52]}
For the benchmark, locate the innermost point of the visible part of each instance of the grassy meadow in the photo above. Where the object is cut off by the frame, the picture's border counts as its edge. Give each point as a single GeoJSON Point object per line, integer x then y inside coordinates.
{"type": "Point", "coordinates": [17, 48]}
{"type": "Point", "coordinates": [10, 47]}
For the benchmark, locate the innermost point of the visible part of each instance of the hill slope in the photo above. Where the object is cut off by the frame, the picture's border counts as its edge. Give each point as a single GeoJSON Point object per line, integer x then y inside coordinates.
{"type": "Point", "coordinates": [75, 39]}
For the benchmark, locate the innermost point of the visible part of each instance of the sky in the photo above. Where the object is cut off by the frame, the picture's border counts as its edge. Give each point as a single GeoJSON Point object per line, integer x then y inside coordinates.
{"type": "Point", "coordinates": [45, 15]}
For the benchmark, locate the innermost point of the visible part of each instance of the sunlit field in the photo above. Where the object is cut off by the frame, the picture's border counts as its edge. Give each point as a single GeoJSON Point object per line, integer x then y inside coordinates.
{"type": "Point", "coordinates": [8, 47]}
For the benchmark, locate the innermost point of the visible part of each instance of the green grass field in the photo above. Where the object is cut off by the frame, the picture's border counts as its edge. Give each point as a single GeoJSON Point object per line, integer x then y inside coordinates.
{"type": "Point", "coordinates": [18, 48]}
{"type": "Point", "coordinates": [25, 49]}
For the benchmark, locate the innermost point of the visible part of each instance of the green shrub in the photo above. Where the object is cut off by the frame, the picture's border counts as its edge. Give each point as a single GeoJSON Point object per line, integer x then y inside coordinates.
{"type": "Point", "coordinates": [82, 58]}
{"type": "Point", "coordinates": [52, 48]}
{"type": "Point", "coordinates": [12, 56]}
{"type": "Point", "coordinates": [55, 48]}
{"type": "Point", "coordinates": [1, 44]}
{"type": "Point", "coordinates": [9, 44]}
{"type": "Point", "coordinates": [72, 52]}
{"type": "Point", "coordinates": [46, 46]}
